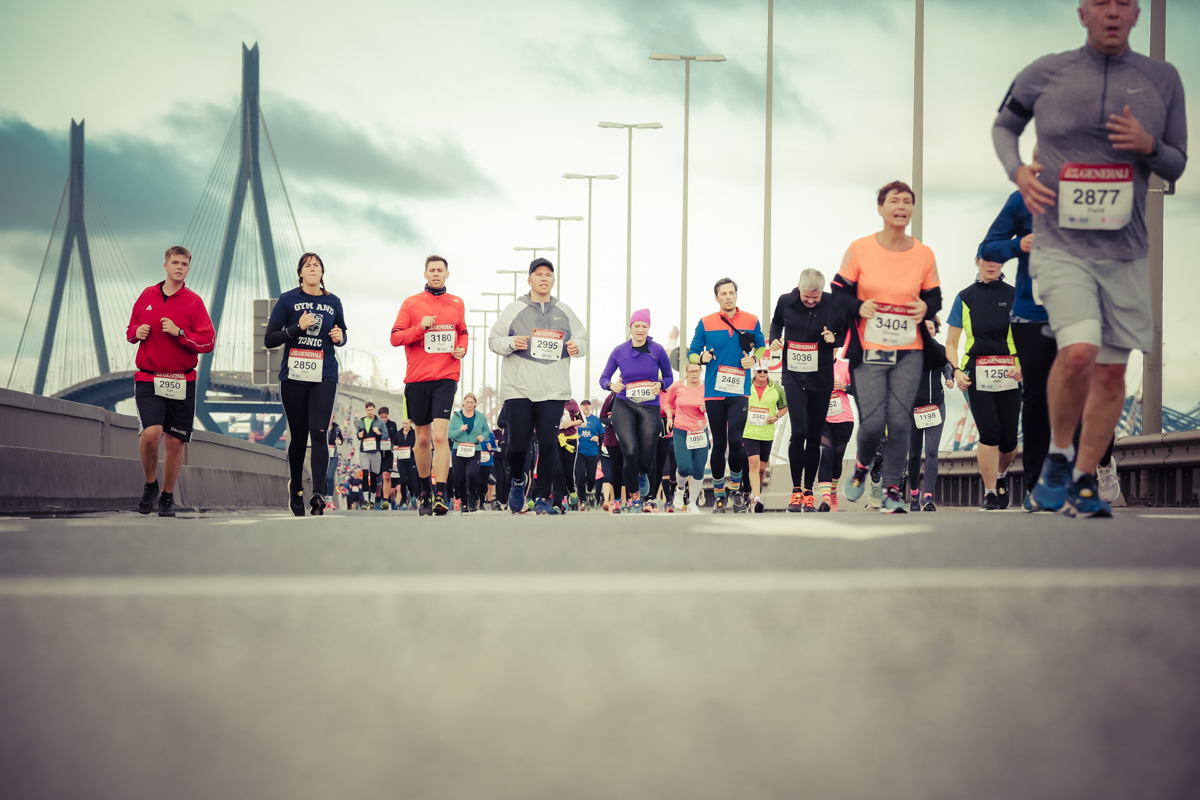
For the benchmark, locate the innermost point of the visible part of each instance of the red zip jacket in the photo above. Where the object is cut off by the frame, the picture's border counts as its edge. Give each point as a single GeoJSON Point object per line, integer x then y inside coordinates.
{"type": "Point", "coordinates": [162, 353]}
{"type": "Point", "coordinates": [448, 313]}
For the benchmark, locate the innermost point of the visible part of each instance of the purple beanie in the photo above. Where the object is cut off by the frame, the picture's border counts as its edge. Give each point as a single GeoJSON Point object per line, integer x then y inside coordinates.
{"type": "Point", "coordinates": [641, 315]}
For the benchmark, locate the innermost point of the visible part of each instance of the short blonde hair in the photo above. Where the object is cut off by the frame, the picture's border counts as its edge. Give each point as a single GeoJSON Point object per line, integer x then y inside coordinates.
{"type": "Point", "coordinates": [177, 250]}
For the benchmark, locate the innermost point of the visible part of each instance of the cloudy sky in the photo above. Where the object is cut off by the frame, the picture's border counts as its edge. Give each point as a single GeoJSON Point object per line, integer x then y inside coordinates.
{"type": "Point", "coordinates": [406, 128]}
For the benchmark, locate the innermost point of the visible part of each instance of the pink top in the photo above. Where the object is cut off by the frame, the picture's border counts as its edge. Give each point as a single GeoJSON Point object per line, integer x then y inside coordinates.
{"type": "Point", "coordinates": [841, 371]}
{"type": "Point", "coordinates": [686, 405]}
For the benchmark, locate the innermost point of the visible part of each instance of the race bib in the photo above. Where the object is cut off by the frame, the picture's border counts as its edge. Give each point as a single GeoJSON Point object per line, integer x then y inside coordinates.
{"type": "Point", "coordinates": [891, 326]}
{"type": "Point", "coordinates": [697, 440]}
{"type": "Point", "coordinates": [332, 450]}
{"type": "Point", "coordinates": [757, 416]}
{"type": "Point", "coordinates": [305, 365]}
{"type": "Point", "coordinates": [370, 445]}
{"type": "Point", "coordinates": [802, 356]}
{"type": "Point", "coordinates": [485, 458]}
{"type": "Point", "coordinates": [640, 391]}
{"type": "Point", "coordinates": [835, 405]}
{"type": "Point", "coordinates": [404, 453]}
{"type": "Point", "coordinates": [546, 345]}
{"type": "Point", "coordinates": [991, 373]}
{"type": "Point", "coordinates": [1095, 197]}
{"type": "Point", "coordinates": [464, 450]}
{"type": "Point", "coordinates": [927, 416]}
{"type": "Point", "coordinates": [731, 380]}
{"type": "Point", "coordinates": [440, 339]}
{"type": "Point", "coordinates": [395, 474]}
{"type": "Point", "coordinates": [172, 387]}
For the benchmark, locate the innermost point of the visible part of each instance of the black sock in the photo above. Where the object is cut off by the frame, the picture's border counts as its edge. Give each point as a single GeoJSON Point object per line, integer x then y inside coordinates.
{"type": "Point", "coordinates": [441, 489]}
{"type": "Point", "coordinates": [166, 496]}
{"type": "Point", "coordinates": [153, 483]}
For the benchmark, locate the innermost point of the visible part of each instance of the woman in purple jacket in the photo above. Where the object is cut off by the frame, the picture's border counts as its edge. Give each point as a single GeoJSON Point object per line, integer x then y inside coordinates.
{"type": "Point", "coordinates": [645, 373]}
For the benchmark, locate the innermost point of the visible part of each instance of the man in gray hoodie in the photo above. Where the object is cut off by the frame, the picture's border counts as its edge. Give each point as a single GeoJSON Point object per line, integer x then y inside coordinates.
{"type": "Point", "coordinates": [1106, 119]}
{"type": "Point", "coordinates": [537, 336]}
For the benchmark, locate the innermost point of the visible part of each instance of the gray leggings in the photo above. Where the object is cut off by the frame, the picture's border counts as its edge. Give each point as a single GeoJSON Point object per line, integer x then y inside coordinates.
{"type": "Point", "coordinates": [925, 442]}
{"type": "Point", "coordinates": [885, 394]}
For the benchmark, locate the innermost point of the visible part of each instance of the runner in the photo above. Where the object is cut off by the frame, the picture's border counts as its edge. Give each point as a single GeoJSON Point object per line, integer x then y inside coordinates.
{"type": "Point", "coordinates": [929, 417]}
{"type": "Point", "coordinates": [432, 328]}
{"type": "Point", "coordinates": [487, 471]}
{"type": "Point", "coordinates": [333, 439]}
{"type": "Point", "coordinates": [890, 281]}
{"type": "Point", "coordinates": [403, 446]}
{"type": "Point", "coordinates": [684, 405]}
{"type": "Point", "coordinates": [172, 327]}
{"type": "Point", "coordinates": [537, 336]}
{"type": "Point", "coordinates": [727, 343]}
{"type": "Point", "coordinates": [590, 434]}
{"type": "Point", "coordinates": [644, 372]}
{"type": "Point", "coordinates": [611, 463]}
{"type": "Point", "coordinates": [835, 435]}
{"type": "Point", "coordinates": [372, 439]}
{"type": "Point", "coordinates": [468, 431]}
{"type": "Point", "coordinates": [1107, 118]}
{"type": "Point", "coordinates": [308, 322]}
{"type": "Point", "coordinates": [387, 462]}
{"type": "Point", "coordinates": [804, 328]}
{"type": "Point", "coordinates": [990, 373]}
{"type": "Point", "coordinates": [768, 404]}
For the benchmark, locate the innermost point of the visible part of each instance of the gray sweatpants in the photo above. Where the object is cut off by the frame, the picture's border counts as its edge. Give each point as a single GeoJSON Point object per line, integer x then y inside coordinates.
{"type": "Point", "coordinates": [885, 395]}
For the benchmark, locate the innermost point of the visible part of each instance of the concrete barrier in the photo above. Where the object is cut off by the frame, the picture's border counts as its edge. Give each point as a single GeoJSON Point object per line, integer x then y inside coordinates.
{"type": "Point", "coordinates": [56, 455]}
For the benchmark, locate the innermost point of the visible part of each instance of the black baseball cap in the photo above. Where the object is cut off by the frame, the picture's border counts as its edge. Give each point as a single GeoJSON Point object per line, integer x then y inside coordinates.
{"type": "Point", "coordinates": [540, 262]}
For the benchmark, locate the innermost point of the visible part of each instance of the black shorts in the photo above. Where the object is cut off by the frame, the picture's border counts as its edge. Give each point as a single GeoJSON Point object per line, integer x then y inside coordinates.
{"type": "Point", "coordinates": [385, 461]}
{"type": "Point", "coordinates": [177, 417]}
{"type": "Point", "coordinates": [430, 400]}
{"type": "Point", "coordinates": [758, 447]}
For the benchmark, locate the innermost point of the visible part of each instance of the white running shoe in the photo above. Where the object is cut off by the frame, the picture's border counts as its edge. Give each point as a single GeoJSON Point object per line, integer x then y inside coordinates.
{"type": "Point", "coordinates": [678, 501]}
{"type": "Point", "coordinates": [1110, 484]}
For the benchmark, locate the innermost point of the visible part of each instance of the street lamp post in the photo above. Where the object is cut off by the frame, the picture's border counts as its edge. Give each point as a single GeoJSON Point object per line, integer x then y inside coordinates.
{"type": "Point", "coordinates": [587, 359]}
{"type": "Point", "coordinates": [687, 89]}
{"type": "Point", "coordinates": [559, 220]}
{"type": "Point", "coordinates": [629, 208]}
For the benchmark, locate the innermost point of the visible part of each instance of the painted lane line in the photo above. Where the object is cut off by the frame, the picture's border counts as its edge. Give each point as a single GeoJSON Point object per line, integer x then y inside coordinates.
{"type": "Point", "coordinates": [810, 527]}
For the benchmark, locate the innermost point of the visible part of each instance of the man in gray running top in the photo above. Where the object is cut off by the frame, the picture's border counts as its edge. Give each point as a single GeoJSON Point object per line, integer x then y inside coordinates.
{"type": "Point", "coordinates": [1106, 118]}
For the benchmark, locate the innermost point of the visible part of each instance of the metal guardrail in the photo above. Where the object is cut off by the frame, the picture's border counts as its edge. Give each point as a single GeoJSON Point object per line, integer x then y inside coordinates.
{"type": "Point", "coordinates": [1155, 470]}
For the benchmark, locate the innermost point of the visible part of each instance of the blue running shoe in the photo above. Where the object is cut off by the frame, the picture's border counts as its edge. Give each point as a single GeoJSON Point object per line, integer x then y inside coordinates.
{"type": "Point", "coordinates": [891, 502]}
{"type": "Point", "coordinates": [856, 484]}
{"type": "Point", "coordinates": [635, 507]}
{"type": "Point", "coordinates": [1083, 499]}
{"type": "Point", "coordinates": [541, 507]}
{"type": "Point", "coordinates": [1027, 503]}
{"type": "Point", "coordinates": [516, 498]}
{"type": "Point", "coordinates": [1050, 493]}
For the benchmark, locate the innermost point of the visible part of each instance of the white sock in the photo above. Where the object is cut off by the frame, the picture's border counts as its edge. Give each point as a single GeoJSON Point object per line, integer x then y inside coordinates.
{"type": "Point", "coordinates": [989, 489]}
{"type": "Point", "coordinates": [697, 487]}
{"type": "Point", "coordinates": [1076, 474]}
{"type": "Point", "coordinates": [1068, 452]}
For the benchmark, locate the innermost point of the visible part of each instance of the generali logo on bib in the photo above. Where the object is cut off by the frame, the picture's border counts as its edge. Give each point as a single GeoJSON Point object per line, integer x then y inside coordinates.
{"type": "Point", "coordinates": [1080, 172]}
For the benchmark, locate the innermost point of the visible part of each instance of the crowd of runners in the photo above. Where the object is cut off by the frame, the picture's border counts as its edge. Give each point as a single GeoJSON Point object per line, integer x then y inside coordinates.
{"type": "Point", "coordinates": [1042, 358]}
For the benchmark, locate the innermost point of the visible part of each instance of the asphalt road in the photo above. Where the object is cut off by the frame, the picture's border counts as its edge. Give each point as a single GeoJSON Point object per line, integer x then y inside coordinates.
{"type": "Point", "coordinates": [948, 655]}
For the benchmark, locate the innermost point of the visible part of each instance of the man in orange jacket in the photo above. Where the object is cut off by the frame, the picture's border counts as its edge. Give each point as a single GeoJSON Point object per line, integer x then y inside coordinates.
{"type": "Point", "coordinates": [432, 329]}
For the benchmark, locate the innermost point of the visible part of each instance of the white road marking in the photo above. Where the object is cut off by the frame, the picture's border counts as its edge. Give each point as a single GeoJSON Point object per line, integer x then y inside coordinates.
{"type": "Point", "coordinates": [807, 525]}
{"type": "Point", "coordinates": [594, 583]}
{"type": "Point", "coordinates": [1170, 516]}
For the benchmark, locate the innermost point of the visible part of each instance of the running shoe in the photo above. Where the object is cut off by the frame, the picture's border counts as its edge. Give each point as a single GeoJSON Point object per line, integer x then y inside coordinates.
{"type": "Point", "coordinates": [317, 504]}
{"type": "Point", "coordinates": [614, 508]}
{"type": "Point", "coordinates": [1027, 503]}
{"type": "Point", "coordinates": [833, 501]}
{"type": "Point", "coordinates": [756, 505]}
{"type": "Point", "coordinates": [929, 506]}
{"type": "Point", "coordinates": [166, 505]}
{"type": "Point", "coordinates": [809, 502]}
{"type": "Point", "coordinates": [739, 502]}
{"type": "Point", "coordinates": [1050, 493]}
{"type": "Point", "coordinates": [296, 498]}
{"type": "Point", "coordinates": [516, 498]}
{"type": "Point", "coordinates": [824, 507]}
{"type": "Point", "coordinates": [636, 507]}
{"type": "Point", "coordinates": [796, 504]}
{"type": "Point", "coordinates": [854, 487]}
{"type": "Point", "coordinates": [1083, 499]}
{"type": "Point", "coordinates": [719, 504]}
{"type": "Point", "coordinates": [677, 502]}
{"type": "Point", "coordinates": [573, 502]}
{"type": "Point", "coordinates": [440, 508]}
{"type": "Point", "coordinates": [425, 509]}
{"type": "Point", "coordinates": [1002, 492]}
{"type": "Point", "coordinates": [875, 495]}
{"type": "Point", "coordinates": [1110, 483]}
{"type": "Point", "coordinates": [991, 502]}
{"type": "Point", "coordinates": [914, 503]}
{"type": "Point", "coordinates": [541, 507]}
{"type": "Point", "coordinates": [149, 495]}
{"type": "Point", "coordinates": [650, 507]}
{"type": "Point", "coordinates": [890, 501]}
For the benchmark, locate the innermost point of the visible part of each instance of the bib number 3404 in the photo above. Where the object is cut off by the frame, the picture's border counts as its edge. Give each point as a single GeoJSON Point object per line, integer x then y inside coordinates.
{"type": "Point", "coordinates": [891, 326]}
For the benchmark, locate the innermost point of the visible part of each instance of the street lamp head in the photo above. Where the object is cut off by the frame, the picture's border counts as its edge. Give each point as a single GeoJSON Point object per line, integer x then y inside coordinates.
{"type": "Point", "coordinates": [665, 57]}
{"type": "Point", "coordinates": [573, 175]}
{"type": "Point", "coordinates": [644, 125]}
{"type": "Point", "coordinates": [613, 125]}
{"type": "Point", "coordinates": [574, 219]}
{"type": "Point", "coordinates": [711, 57]}
{"type": "Point", "coordinates": [605, 177]}
{"type": "Point", "coordinates": [507, 272]}
{"type": "Point", "coordinates": [551, 249]}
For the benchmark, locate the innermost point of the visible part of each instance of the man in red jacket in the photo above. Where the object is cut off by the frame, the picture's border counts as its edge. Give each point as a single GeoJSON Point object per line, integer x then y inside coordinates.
{"type": "Point", "coordinates": [172, 328]}
{"type": "Point", "coordinates": [432, 328]}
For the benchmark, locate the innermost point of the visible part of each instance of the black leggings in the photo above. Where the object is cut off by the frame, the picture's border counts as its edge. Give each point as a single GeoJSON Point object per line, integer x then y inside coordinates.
{"type": "Point", "coordinates": [466, 475]}
{"type": "Point", "coordinates": [996, 416]}
{"type": "Point", "coordinates": [731, 412]}
{"type": "Point", "coordinates": [664, 463]}
{"type": "Point", "coordinates": [834, 438]}
{"type": "Point", "coordinates": [1037, 353]}
{"type": "Point", "coordinates": [308, 407]}
{"type": "Point", "coordinates": [524, 418]}
{"type": "Point", "coordinates": [568, 473]}
{"type": "Point", "coordinates": [807, 409]}
{"type": "Point", "coordinates": [407, 480]}
{"type": "Point", "coordinates": [638, 429]}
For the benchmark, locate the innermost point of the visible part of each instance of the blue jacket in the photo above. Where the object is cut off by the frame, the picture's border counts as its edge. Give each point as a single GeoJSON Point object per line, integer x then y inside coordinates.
{"type": "Point", "coordinates": [713, 334]}
{"type": "Point", "coordinates": [1002, 243]}
{"type": "Point", "coordinates": [592, 426]}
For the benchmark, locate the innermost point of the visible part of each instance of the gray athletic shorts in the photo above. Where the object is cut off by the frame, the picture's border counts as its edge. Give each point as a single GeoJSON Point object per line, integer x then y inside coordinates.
{"type": "Point", "coordinates": [372, 462]}
{"type": "Point", "coordinates": [1097, 301]}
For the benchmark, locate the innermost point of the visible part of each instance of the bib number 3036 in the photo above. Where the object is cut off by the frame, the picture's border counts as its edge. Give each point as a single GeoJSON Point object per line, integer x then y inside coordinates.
{"type": "Point", "coordinates": [172, 387]}
{"type": "Point", "coordinates": [546, 345]}
{"type": "Point", "coordinates": [891, 326]}
{"type": "Point", "coordinates": [305, 365]}
{"type": "Point", "coordinates": [802, 356]}
{"type": "Point", "coordinates": [1095, 197]}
